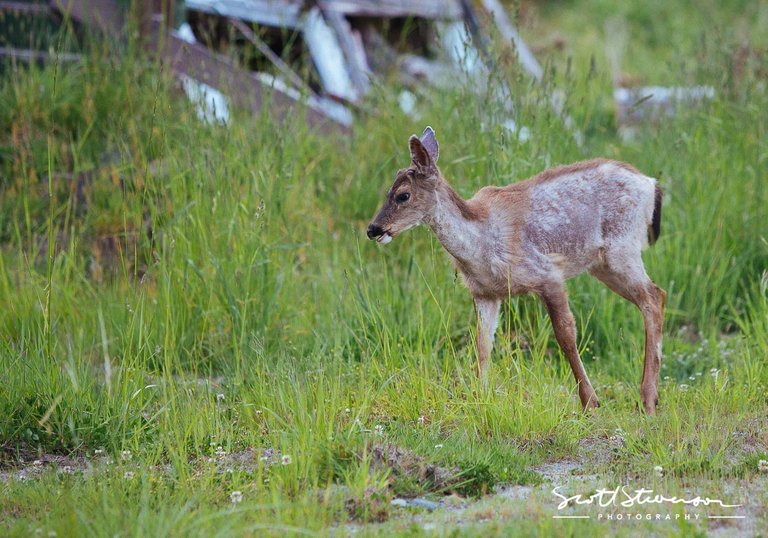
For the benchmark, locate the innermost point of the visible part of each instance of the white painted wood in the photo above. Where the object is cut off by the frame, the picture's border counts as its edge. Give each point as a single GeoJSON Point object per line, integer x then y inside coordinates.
{"type": "Point", "coordinates": [328, 56]}
{"type": "Point", "coordinates": [277, 13]}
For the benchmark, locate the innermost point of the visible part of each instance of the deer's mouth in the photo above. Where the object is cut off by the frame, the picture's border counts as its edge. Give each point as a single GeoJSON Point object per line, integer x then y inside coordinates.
{"type": "Point", "coordinates": [384, 238]}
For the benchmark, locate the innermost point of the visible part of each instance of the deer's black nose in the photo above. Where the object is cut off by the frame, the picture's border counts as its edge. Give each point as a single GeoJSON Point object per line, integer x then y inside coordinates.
{"type": "Point", "coordinates": [374, 231]}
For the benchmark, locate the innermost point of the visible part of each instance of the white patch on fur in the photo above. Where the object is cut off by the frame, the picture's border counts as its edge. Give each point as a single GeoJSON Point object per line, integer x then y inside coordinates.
{"type": "Point", "coordinates": [384, 239]}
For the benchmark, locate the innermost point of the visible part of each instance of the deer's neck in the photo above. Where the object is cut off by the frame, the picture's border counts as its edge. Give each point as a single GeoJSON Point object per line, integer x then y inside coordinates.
{"type": "Point", "coordinates": [459, 226]}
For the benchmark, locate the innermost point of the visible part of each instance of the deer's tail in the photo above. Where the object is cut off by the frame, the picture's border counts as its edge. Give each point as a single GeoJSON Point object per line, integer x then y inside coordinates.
{"type": "Point", "coordinates": [654, 230]}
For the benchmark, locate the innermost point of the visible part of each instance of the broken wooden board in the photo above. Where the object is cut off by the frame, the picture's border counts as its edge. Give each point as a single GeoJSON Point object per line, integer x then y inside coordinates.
{"type": "Point", "coordinates": [198, 63]}
{"type": "Point", "coordinates": [243, 88]}
{"type": "Point", "coordinates": [352, 48]}
{"type": "Point", "coordinates": [428, 9]}
{"type": "Point", "coordinates": [277, 13]}
{"type": "Point", "coordinates": [328, 57]}
{"type": "Point", "coordinates": [288, 13]}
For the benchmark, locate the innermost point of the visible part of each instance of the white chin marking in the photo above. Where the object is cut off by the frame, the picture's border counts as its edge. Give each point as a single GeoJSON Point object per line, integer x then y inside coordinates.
{"type": "Point", "coordinates": [384, 239]}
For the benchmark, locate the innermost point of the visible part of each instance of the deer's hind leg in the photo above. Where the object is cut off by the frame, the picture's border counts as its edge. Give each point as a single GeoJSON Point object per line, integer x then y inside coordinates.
{"type": "Point", "coordinates": [624, 273]}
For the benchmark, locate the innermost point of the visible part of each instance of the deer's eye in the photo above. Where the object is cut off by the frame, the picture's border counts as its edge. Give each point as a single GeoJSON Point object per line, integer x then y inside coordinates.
{"type": "Point", "coordinates": [402, 197]}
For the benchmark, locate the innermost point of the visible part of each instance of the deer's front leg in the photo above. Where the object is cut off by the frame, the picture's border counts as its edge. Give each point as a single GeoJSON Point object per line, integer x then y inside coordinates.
{"type": "Point", "coordinates": [487, 318]}
{"type": "Point", "coordinates": [564, 325]}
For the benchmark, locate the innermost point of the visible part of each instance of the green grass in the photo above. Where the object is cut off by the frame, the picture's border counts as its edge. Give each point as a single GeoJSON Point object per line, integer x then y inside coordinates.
{"type": "Point", "coordinates": [260, 320]}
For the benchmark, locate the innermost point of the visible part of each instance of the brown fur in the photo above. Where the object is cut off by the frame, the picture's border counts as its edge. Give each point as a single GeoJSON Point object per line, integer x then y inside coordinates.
{"type": "Point", "coordinates": [468, 211]}
{"type": "Point", "coordinates": [578, 167]}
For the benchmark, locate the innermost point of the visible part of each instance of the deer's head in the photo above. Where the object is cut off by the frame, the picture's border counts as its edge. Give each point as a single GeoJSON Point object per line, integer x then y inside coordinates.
{"type": "Point", "coordinates": [412, 196]}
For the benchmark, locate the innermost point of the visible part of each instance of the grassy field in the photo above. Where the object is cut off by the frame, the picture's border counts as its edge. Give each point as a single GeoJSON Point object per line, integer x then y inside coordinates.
{"type": "Point", "coordinates": [257, 367]}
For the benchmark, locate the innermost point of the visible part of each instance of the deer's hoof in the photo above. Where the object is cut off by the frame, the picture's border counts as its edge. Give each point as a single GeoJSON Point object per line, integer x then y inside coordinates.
{"type": "Point", "coordinates": [650, 401]}
{"type": "Point", "coordinates": [650, 406]}
{"type": "Point", "coordinates": [591, 403]}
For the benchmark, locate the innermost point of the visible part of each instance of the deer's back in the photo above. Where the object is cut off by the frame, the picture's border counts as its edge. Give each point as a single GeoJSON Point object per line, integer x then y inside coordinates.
{"type": "Point", "coordinates": [565, 216]}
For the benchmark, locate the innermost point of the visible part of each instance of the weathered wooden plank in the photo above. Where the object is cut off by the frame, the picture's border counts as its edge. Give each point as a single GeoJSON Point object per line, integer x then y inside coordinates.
{"type": "Point", "coordinates": [195, 61]}
{"type": "Point", "coordinates": [429, 9]}
{"type": "Point", "coordinates": [287, 13]}
{"type": "Point", "coordinates": [103, 15]}
{"type": "Point", "coordinates": [28, 56]}
{"type": "Point", "coordinates": [328, 57]}
{"type": "Point", "coordinates": [244, 89]}
{"type": "Point", "coordinates": [353, 50]}
{"type": "Point", "coordinates": [277, 13]}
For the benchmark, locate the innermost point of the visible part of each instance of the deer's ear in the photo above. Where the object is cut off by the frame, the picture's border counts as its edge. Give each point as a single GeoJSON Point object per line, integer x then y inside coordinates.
{"type": "Point", "coordinates": [429, 142]}
{"type": "Point", "coordinates": [419, 154]}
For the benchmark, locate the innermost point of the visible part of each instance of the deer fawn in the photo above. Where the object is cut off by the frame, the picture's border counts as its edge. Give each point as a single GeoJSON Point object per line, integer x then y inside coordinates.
{"type": "Point", "coordinates": [529, 237]}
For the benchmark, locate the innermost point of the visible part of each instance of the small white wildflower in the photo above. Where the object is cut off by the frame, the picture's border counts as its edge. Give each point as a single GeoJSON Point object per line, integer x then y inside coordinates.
{"type": "Point", "coordinates": [264, 458]}
{"type": "Point", "coordinates": [98, 452]}
{"type": "Point", "coordinates": [683, 386]}
{"type": "Point", "coordinates": [666, 378]}
{"type": "Point", "coordinates": [347, 410]}
{"type": "Point", "coordinates": [439, 446]}
{"type": "Point", "coordinates": [266, 480]}
{"type": "Point", "coordinates": [259, 411]}
{"type": "Point", "coordinates": [762, 466]}
{"type": "Point", "coordinates": [236, 497]}
{"type": "Point", "coordinates": [126, 455]}
{"type": "Point", "coordinates": [659, 470]}
{"type": "Point", "coordinates": [128, 475]}
{"type": "Point", "coordinates": [286, 460]}
{"type": "Point", "coordinates": [220, 452]}
{"type": "Point", "coordinates": [692, 378]}
{"type": "Point", "coordinates": [37, 463]}
{"type": "Point", "coordinates": [378, 429]}
{"type": "Point", "coordinates": [219, 397]}
{"type": "Point", "coordinates": [421, 420]}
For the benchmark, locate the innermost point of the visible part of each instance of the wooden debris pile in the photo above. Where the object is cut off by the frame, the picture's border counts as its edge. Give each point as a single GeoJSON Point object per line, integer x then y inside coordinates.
{"type": "Point", "coordinates": [324, 54]}
{"type": "Point", "coordinates": [351, 43]}
{"type": "Point", "coordinates": [327, 54]}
